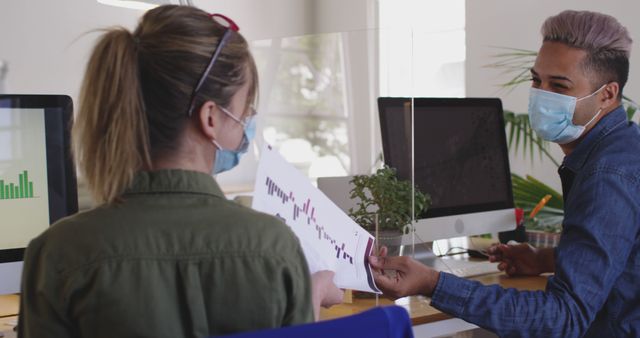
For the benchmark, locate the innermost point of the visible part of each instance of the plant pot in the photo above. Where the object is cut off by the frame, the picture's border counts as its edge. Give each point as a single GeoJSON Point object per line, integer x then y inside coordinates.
{"type": "Point", "coordinates": [392, 239]}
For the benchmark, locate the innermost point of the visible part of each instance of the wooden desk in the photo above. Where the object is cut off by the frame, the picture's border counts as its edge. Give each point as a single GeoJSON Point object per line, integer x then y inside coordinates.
{"type": "Point", "coordinates": [9, 306]}
{"type": "Point", "coordinates": [422, 314]}
{"type": "Point", "coordinates": [418, 307]}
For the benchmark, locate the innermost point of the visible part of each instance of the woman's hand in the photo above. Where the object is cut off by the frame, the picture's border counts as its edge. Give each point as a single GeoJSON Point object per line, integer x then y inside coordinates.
{"type": "Point", "coordinates": [324, 292]}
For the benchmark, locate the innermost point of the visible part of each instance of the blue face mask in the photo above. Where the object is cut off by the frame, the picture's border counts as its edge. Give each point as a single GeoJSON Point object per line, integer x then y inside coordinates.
{"type": "Point", "coordinates": [228, 159]}
{"type": "Point", "coordinates": [551, 115]}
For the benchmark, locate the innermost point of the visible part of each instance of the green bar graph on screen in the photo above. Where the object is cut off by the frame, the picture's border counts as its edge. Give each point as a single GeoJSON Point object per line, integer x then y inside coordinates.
{"type": "Point", "coordinates": [20, 190]}
{"type": "Point", "coordinates": [21, 184]}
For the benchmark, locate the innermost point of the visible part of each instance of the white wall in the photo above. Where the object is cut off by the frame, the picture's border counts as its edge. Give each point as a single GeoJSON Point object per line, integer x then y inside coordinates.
{"type": "Point", "coordinates": [45, 45]}
{"type": "Point", "coordinates": [508, 23]}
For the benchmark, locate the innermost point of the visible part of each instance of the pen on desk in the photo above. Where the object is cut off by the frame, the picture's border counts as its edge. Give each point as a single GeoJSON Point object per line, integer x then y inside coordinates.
{"type": "Point", "coordinates": [539, 206]}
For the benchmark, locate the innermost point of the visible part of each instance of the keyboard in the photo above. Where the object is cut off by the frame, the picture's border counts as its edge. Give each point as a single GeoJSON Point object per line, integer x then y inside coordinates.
{"type": "Point", "coordinates": [470, 268]}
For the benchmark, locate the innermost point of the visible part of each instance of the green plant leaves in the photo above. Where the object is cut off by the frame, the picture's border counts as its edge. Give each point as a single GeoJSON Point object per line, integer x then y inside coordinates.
{"type": "Point", "coordinates": [391, 199]}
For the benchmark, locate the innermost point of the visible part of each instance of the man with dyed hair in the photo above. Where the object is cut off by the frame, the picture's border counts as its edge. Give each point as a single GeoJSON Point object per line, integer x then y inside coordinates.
{"type": "Point", "coordinates": [575, 101]}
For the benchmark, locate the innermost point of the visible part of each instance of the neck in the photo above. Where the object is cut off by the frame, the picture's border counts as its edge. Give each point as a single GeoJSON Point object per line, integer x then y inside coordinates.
{"type": "Point", "coordinates": [568, 148]}
{"type": "Point", "coordinates": [192, 154]}
{"type": "Point", "coordinates": [183, 164]}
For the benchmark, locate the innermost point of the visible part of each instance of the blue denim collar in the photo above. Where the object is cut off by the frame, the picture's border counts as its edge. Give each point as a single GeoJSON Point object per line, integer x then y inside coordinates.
{"type": "Point", "coordinates": [615, 119]}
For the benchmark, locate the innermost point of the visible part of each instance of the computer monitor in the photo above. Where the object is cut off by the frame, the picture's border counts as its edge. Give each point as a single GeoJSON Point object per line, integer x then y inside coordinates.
{"type": "Point", "coordinates": [37, 176]}
{"type": "Point", "coordinates": [461, 160]}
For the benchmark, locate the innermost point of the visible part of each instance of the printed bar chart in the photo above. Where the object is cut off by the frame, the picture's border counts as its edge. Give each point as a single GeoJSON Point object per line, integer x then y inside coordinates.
{"type": "Point", "coordinates": [329, 238]}
{"type": "Point", "coordinates": [22, 189]}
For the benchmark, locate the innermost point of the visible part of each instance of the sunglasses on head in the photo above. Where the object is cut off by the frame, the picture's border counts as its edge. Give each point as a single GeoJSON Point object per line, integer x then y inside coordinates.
{"type": "Point", "coordinates": [230, 28]}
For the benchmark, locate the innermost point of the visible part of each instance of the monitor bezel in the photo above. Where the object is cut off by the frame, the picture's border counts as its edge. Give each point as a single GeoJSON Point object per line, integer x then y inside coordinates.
{"type": "Point", "coordinates": [57, 123]}
{"type": "Point", "coordinates": [494, 103]}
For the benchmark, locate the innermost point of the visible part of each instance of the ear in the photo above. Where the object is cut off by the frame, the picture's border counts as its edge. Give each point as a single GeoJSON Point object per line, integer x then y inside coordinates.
{"type": "Point", "coordinates": [207, 120]}
{"type": "Point", "coordinates": [610, 94]}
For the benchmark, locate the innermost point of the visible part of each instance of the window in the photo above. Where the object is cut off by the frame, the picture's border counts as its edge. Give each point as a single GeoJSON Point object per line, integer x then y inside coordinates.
{"type": "Point", "coordinates": [318, 92]}
{"type": "Point", "coordinates": [422, 48]}
{"type": "Point", "coordinates": [303, 107]}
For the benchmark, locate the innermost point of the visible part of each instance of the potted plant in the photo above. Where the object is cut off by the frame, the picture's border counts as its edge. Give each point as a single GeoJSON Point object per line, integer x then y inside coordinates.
{"type": "Point", "coordinates": [385, 200]}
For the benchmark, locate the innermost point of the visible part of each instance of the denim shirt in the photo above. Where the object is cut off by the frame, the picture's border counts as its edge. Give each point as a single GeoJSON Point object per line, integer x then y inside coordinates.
{"type": "Point", "coordinates": [595, 291]}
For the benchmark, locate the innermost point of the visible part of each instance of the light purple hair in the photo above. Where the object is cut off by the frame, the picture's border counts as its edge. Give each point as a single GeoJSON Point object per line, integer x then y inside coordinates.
{"type": "Point", "coordinates": [606, 41]}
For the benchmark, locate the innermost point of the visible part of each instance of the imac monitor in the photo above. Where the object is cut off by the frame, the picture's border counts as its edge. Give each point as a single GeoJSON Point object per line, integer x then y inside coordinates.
{"type": "Point", "coordinates": [37, 176]}
{"type": "Point", "coordinates": [460, 158]}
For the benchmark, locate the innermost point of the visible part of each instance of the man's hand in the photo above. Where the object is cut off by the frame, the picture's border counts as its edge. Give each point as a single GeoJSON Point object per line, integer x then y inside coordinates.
{"type": "Point", "coordinates": [410, 277]}
{"type": "Point", "coordinates": [521, 259]}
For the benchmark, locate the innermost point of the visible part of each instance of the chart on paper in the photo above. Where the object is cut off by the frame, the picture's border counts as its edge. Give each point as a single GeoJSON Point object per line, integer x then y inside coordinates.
{"type": "Point", "coordinates": [330, 239]}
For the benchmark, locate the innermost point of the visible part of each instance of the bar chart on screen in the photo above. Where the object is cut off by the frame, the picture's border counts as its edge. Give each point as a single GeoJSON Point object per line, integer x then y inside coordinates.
{"type": "Point", "coordinates": [24, 198]}
{"type": "Point", "coordinates": [330, 239]}
{"type": "Point", "coordinates": [23, 188]}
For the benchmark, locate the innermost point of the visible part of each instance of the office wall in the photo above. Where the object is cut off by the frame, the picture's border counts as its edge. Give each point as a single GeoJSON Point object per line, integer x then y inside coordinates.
{"type": "Point", "coordinates": [46, 43]}
{"type": "Point", "coordinates": [43, 42]}
{"type": "Point", "coordinates": [517, 24]}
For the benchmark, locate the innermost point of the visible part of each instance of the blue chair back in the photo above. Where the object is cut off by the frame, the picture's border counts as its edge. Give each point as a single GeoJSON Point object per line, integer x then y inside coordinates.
{"type": "Point", "coordinates": [381, 322]}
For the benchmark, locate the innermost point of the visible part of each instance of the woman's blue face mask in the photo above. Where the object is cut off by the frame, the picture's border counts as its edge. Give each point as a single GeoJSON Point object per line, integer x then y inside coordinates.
{"type": "Point", "coordinates": [551, 115]}
{"type": "Point", "coordinates": [228, 159]}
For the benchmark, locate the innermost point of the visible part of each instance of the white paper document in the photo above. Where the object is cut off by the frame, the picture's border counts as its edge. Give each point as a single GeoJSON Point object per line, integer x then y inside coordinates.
{"type": "Point", "coordinates": [330, 239]}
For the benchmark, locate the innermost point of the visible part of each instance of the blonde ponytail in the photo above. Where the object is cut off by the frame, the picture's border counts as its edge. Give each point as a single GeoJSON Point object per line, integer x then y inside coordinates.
{"type": "Point", "coordinates": [110, 133]}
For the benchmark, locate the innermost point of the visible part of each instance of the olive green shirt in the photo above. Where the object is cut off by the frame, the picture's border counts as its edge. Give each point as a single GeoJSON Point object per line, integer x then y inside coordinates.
{"type": "Point", "coordinates": [173, 259]}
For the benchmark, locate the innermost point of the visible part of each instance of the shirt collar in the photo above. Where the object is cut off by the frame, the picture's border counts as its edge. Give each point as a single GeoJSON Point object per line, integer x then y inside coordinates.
{"type": "Point", "coordinates": [576, 160]}
{"type": "Point", "coordinates": [174, 181]}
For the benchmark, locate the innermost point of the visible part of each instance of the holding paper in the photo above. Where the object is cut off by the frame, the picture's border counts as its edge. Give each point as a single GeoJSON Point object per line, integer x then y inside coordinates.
{"type": "Point", "coordinates": [330, 239]}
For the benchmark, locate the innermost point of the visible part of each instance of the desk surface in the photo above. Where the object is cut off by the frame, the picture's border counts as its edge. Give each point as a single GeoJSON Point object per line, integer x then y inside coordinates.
{"type": "Point", "coordinates": [9, 305]}
{"type": "Point", "coordinates": [418, 306]}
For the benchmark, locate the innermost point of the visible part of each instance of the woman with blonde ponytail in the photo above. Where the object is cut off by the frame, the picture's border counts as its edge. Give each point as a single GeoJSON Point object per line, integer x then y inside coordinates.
{"type": "Point", "coordinates": [164, 254]}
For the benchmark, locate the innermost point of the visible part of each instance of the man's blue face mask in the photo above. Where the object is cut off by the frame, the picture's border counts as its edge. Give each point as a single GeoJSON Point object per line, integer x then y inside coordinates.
{"type": "Point", "coordinates": [228, 159]}
{"type": "Point", "coordinates": [551, 115]}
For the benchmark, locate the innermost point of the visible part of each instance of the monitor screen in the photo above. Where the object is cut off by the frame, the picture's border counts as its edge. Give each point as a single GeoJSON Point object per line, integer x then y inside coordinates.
{"type": "Point", "coordinates": [461, 157]}
{"type": "Point", "coordinates": [37, 177]}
